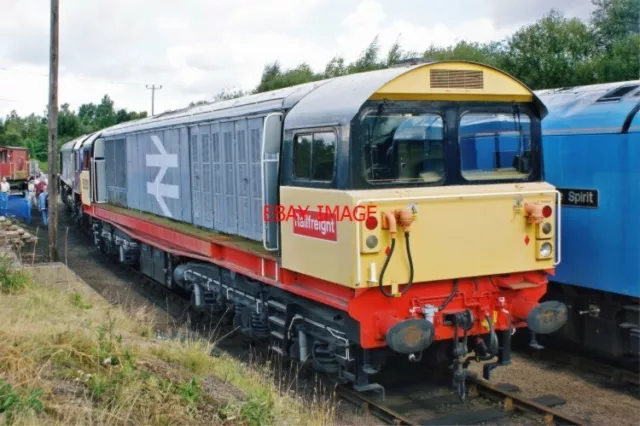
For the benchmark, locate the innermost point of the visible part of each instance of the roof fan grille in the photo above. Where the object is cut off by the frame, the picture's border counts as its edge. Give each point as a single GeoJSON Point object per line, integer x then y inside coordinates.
{"type": "Point", "coordinates": [457, 79]}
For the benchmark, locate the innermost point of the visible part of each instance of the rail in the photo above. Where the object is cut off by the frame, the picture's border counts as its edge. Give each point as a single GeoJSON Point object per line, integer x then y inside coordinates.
{"type": "Point", "coordinates": [511, 403]}
{"type": "Point", "coordinates": [558, 238]}
{"type": "Point", "coordinates": [514, 401]}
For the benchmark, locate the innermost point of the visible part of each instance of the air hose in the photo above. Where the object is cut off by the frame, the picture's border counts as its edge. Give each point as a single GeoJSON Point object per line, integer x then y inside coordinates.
{"type": "Point", "coordinates": [493, 337]}
{"type": "Point", "coordinates": [386, 263]}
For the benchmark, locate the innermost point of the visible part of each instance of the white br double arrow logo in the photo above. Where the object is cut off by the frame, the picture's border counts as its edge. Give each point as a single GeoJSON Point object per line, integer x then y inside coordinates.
{"type": "Point", "coordinates": [164, 160]}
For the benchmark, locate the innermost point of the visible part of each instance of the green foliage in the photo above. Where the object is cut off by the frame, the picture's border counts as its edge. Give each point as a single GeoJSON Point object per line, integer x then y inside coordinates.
{"type": "Point", "coordinates": [32, 131]}
{"type": "Point", "coordinates": [11, 281]}
{"type": "Point", "coordinates": [77, 301]}
{"type": "Point", "coordinates": [14, 403]}
{"type": "Point", "coordinates": [258, 409]}
{"type": "Point", "coordinates": [191, 394]}
{"type": "Point", "coordinates": [615, 20]}
{"type": "Point", "coordinates": [274, 78]}
{"type": "Point", "coordinates": [552, 52]}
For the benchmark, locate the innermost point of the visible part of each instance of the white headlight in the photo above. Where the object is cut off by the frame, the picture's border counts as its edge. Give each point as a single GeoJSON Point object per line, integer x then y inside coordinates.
{"type": "Point", "coordinates": [545, 250]}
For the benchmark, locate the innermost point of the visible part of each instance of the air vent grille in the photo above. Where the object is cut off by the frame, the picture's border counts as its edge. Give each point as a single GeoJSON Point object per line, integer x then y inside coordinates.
{"type": "Point", "coordinates": [456, 79]}
{"type": "Point", "coordinates": [618, 93]}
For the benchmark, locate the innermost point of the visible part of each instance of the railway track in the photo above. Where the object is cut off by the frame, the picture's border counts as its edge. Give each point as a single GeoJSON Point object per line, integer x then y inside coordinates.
{"type": "Point", "coordinates": [486, 402]}
{"type": "Point", "coordinates": [417, 404]}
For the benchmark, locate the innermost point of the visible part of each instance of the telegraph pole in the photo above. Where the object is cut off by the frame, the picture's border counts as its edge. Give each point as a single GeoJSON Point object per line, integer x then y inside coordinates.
{"type": "Point", "coordinates": [153, 89]}
{"type": "Point", "coordinates": [52, 186]}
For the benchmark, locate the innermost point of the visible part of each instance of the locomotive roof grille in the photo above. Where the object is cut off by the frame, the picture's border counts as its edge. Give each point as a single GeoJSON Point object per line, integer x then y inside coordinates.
{"type": "Point", "coordinates": [456, 79]}
{"type": "Point", "coordinates": [617, 93]}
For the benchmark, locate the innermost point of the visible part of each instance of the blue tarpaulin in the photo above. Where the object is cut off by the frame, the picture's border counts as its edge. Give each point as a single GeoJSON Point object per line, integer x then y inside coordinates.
{"type": "Point", "coordinates": [18, 207]}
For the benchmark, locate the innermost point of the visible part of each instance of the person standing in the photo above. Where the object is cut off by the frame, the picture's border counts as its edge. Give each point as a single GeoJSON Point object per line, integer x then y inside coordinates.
{"type": "Point", "coordinates": [31, 192]}
{"type": "Point", "coordinates": [43, 203]}
{"type": "Point", "coordinates": [4, 196]}
{"type": "Point", "coordinates": [40, 183]}
{"type": "Point", "coordinates": [37, 187]}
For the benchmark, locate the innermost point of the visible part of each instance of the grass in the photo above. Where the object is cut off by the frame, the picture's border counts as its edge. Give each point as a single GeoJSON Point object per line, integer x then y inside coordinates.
{"type": "Point", "coordinates": [69, 357]}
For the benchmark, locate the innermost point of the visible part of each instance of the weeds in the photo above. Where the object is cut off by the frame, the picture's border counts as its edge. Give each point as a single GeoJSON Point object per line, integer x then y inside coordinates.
{"type": "Point", "coordinates": [190, 392]}
{"type": "Point", "coordinates": [14, 403]}
{"type": "Point", "coordinates": [79, 360]}
{"type": "Point", "coordinates": [77, 301]}
{"type": "Point", "coordinates": [11, 281]}
{"type": "Point", "coordinates": [258, 410]}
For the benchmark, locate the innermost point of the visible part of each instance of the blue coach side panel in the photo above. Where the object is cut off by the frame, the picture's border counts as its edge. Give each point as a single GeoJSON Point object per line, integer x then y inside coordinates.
{"type": "Point", "coordinates": [592, 155]}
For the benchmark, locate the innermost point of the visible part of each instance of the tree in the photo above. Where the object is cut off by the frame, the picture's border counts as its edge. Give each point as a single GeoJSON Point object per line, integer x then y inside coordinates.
{"type": "Point", "coordinates": [622, 62]}
{"type": "Point", "coordinates": [335, 68]}
{"type": "Point", "coordinates": [270, 74]}
{"type": "Point", "coordinates": [87, 114]}
{"type": "Point", "coordinates": [615, 20]}
{"type": "Point", "coordinates": [69, 124]}
{"type": "Point", "coordinates": [368, 60]}
{"type": "Point", "coordinates": [225, 95]}
{"type": "Point", "coordinates": [489, 54]}
{"type": "Point", "coordinates": [554, 51]}
{"type": "Point", "coordinates": [32, 131]}
{"type": "Point", "coordinates": [395, 54]}
{"type": "Point", "coordinates": [105, 115]}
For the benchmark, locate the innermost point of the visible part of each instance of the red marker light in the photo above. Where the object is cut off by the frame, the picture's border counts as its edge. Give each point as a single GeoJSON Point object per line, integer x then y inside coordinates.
{"type": "Point", "coordinates": [371, 223]}
{"type": "Point", "coordinates": [546, 211]}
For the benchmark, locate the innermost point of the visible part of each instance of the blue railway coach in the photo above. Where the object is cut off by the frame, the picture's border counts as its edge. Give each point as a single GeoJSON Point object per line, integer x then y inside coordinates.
{"type": "Point", "coordinates": [591, 151]}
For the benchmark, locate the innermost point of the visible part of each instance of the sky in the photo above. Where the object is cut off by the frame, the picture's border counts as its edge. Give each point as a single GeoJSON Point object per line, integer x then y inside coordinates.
{"type": "Point", "coordinates": [196, 48]}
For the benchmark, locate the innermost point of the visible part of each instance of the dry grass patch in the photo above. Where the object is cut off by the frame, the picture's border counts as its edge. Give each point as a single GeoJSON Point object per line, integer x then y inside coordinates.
{"type": "Point", "coordinates": [69, 357]}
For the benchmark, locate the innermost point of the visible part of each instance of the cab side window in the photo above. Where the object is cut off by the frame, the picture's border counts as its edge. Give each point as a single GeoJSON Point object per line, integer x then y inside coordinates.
{"type": "Point", "coordinates": [314, 156]}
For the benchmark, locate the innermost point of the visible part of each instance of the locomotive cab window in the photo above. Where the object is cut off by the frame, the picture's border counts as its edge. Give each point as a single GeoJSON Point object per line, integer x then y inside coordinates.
{"type": "Point", "coordinates": [495, 146]}
{"type": "Point", "coordinates": [314, 156]}
{"type": "Point", "coordinates": [403, 148]}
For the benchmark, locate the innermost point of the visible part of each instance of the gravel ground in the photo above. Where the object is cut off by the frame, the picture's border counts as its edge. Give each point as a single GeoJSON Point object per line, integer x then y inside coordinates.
{"type": "Point", "coordinates": [587, 396]}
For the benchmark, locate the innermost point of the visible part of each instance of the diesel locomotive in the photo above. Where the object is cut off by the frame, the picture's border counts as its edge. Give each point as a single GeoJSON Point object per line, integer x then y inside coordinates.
{"type": "Point", "coordinates": [451, 259]}
{"type": "Point", "coordinates": [591, 140]}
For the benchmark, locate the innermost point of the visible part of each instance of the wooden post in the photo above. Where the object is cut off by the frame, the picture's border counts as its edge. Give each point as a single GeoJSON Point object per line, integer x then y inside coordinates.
{"type": "Point", "coordinates": [52, 186]}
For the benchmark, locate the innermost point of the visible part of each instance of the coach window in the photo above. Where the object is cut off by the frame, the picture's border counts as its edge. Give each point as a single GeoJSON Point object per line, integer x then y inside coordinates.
{"type": "Point", "coordinates": [3, 157]}
{"type": "Point", "coordinates": [314, 156]}
{"type": "Point", "coordinates": [495, 146]}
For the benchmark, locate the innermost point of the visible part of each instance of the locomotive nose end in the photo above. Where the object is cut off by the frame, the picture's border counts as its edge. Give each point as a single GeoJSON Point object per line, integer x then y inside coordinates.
{"type": "Point", "coordinates": [410, 336]}
{"type": "Point", "coordinates": [547, 317]}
